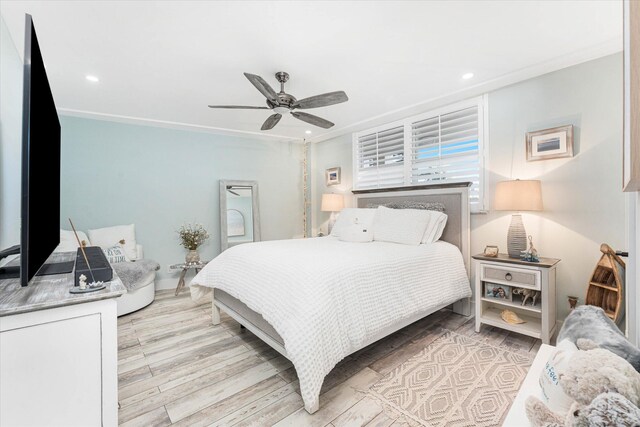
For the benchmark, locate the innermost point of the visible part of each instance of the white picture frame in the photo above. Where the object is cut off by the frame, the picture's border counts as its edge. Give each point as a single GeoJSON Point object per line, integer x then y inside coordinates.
{"type": "Point", "coordinates": [551, 143]}
{"type": "Point", "coordinates": [332, 176]}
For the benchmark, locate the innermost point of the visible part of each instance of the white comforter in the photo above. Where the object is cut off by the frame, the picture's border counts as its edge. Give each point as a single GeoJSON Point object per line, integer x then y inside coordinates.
{"type": "Point", "coordinates": [327, 298]}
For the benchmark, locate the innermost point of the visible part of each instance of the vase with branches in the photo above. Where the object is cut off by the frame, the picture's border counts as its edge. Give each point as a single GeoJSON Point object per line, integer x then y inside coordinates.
{"type": "Point", "coordinates": [191, 237]}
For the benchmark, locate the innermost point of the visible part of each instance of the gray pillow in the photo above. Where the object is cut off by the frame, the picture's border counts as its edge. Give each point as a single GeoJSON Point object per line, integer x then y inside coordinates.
{"type": "Point", "coordinates": [592, 323]}
{"type": "Point", "coordinates": [410, 204]}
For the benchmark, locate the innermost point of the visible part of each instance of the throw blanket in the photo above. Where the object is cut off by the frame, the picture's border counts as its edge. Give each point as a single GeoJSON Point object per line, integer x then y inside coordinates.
{"type": "Point", "coordinates": [136, 273]}
{"type": "Point", "coordinates": [327, 298]}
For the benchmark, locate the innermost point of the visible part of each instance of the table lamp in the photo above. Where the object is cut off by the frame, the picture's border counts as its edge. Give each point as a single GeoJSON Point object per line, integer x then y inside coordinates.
{"type": "Point", "coordinates": [518, 195]}
{"type": "Point", "coordinates": [332, 203]}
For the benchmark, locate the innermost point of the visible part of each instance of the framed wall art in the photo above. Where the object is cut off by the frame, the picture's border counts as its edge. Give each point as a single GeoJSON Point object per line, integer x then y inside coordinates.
{"type": "Point", "coordinates": [551, 143]}
{"type": "Point", "coordinates": [332, 176]}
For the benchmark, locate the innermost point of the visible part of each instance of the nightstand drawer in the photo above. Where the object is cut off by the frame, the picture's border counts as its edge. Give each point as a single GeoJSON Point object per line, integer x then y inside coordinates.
{"type": "Point", "coordinates": [511, 276]}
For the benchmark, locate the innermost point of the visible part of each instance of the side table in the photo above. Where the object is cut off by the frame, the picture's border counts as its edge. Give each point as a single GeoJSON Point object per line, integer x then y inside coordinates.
{"type": "Point", "coordinates": [185, 267]}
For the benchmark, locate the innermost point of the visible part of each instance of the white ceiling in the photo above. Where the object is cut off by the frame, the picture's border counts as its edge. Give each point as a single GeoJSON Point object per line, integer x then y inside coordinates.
{"type": "Point", "coordinates": [163, 62]}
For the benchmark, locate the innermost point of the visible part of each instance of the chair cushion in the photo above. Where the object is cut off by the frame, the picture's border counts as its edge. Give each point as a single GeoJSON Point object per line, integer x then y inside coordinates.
{"type": "Point", "coordinates": [111, 236]}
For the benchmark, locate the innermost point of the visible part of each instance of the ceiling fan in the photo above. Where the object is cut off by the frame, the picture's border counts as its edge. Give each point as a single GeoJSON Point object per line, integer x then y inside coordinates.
{"type": "Point", "coordinates": [282, 102]}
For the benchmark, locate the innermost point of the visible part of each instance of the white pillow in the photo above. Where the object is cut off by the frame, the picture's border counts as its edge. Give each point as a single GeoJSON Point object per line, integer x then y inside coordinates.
{"type": "Point", "coordinates": [552, 392]}
{"type": "Point", "coordinates": [404, 226]}
{"type": "Point", "coordinates": [115, 254]}
{"type": "Point", "coordinates": [356, 233]}
{"type": "Point", "coordinates": [435, 228]}
{"type": "Point", "coordinates": [349, 216]}
{"type": "Point", "coordinates": [120, 234]}
{"type": "Point", "coordinates": [68, 242]}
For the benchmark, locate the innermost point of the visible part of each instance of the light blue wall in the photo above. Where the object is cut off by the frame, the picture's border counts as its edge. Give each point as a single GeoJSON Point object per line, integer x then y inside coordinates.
{"type": "Point", "coordinates": [10, 139]}
{"type": "Point", "coordinates": [157, 178]}
{"type": "Point", "coordinates": [583, 201]}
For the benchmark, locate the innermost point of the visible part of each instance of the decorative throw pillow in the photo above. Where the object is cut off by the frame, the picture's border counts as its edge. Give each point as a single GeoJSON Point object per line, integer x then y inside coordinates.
{"type": "Point", "coordinates": [405, 226]}
{"type": "Point", "coordinates": [68, 242]}
{"type": "Point", "coordinates": [412, 204]}
{"type": "Point", "coordinates": [554, 397]}
{"type": "Point", "coordinates": [350, 216]}
{"type": "Point", "coordinates": [356, 233]}
{"type": "Point", "coordinates": [120, 234]}
{"type": "Point", "coordinates": [115, 254]}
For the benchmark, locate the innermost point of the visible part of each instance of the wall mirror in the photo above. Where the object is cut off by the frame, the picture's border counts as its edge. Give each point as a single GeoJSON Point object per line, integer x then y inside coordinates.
{"type": "Point", "coordinates": [239, 213]}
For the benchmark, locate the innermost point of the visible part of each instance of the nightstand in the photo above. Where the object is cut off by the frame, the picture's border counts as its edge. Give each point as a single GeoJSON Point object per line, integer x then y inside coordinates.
{"type": "Point", "coordinates": [497, 277]}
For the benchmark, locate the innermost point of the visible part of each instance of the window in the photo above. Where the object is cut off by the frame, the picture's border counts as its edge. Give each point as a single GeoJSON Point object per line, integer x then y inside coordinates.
{"type": "Point", "coordinates": [444, 146]}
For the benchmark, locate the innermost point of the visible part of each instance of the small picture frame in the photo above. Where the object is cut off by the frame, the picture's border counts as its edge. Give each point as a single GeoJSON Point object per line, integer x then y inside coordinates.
{"type": "Point", "coordinates": [491, 251]}
{"type": "Point", "coordinates": [332, 176]}
{"type": "Point", "coordinates": [495, 291]}
{"type": "Point", "coordinates": [551, 143]}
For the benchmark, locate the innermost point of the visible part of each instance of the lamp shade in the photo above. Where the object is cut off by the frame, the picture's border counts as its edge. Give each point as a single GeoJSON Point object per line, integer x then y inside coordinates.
{"type": "Point", "coordinates": [518, 195]}
{"type": "Point", "coordinates": [332, 202]}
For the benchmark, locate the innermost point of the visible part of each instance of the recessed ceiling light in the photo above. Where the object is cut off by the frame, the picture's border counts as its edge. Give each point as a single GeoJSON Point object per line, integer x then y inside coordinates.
{"type": "Point", "coordinates": [308, 132]}
{"type": "Point", "coordinates": [467, 76]}
{"type": "Point", "coordinates": [92, 79]}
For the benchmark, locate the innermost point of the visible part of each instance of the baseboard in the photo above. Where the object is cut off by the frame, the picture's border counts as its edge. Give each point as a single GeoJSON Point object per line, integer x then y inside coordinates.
{"type": "Point", "coordinates": [162, 284]}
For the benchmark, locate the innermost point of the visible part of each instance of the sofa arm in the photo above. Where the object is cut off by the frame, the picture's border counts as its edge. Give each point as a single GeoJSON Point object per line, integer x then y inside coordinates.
{"type": "Point", "coordinates": [139, 251]}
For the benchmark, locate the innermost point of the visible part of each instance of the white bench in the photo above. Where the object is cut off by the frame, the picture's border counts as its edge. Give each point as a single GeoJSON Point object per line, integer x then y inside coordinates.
{"type": "Point", "coordinates": [517, 416]}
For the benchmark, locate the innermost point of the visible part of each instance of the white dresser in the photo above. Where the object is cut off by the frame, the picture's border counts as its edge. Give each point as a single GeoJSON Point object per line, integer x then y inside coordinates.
{"type": "Point", "coordinates": [58, 353]}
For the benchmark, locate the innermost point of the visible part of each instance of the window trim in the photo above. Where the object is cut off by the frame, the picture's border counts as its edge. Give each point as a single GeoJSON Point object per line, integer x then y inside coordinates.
{"type": "Point", "coordinates": [481, 102]}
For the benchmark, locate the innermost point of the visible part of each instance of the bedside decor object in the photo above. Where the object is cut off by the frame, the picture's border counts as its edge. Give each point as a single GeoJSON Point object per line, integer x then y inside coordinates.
{"type": "Point", "coordinates": [332, 176]}
{"type": "Point", "coordinates": [606, 287]}
{"type": "Point", "coordinates": [531, 254]}
{"type": "Point", "coordinates": [518, 195]}
{"type": "Point", "coordinates": [551, 143]}
{"type": "Point", "coordinates": [332, 203]}
{"type": "Point", "coordinates": [191, 237]}
{"type": "Point", "coordinates": [491, 251]}
{"type": "Point", "coordinates": [511, 318]}
{"type": "Point", "coordinates": [573, 302]}
{"type": "Point", "coordinates": [526, 294]}
{"type": "Point", "coordinates": [492, 290]}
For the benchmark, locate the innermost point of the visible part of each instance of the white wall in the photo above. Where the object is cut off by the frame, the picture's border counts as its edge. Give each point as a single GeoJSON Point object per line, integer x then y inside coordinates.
{"type": "Point", "coordinates": [10, 139]}
{"type": "Point", "coordinates": [584, 205]}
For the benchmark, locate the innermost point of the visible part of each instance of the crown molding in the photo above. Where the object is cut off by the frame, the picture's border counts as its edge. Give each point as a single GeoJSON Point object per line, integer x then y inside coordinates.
{"type": "Point", "coordinates": [176, 125]}
{"type": "Point", "coordinates": [606, 48]}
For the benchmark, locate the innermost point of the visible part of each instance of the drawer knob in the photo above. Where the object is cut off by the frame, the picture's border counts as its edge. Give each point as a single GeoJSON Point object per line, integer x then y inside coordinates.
{"type": "Point", "coordinates": [508, 277]}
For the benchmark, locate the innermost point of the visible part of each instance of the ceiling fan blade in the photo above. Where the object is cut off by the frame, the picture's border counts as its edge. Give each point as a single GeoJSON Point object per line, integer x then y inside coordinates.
{"type": "Point", "coordinates": [239, 107]}
{"type": "Point", "coordinates": [311, 119]}
{"type": "Point", "coordinates": [263, 87]}
{"type": "Point", "coordinates": [271, 121]}
{"type": "Point", "coordinates": [323, 100]}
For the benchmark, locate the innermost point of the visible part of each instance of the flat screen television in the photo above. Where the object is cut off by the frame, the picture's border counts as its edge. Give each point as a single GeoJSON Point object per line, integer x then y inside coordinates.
{"type": "Point", "coordinates": [40, 192]}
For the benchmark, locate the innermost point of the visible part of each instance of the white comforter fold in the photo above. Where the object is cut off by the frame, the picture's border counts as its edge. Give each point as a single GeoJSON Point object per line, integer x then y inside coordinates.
{"type": "Point", "coordinates": [326, 298]}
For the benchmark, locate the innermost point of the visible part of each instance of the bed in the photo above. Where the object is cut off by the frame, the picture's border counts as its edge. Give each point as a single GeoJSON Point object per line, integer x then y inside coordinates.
{"type": "Point", "coordinates": [318, 300]}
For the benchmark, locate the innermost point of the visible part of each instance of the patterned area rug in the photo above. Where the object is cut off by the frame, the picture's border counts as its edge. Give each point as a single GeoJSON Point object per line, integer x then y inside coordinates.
{"type": "Point", "coordinates": [455, 381]}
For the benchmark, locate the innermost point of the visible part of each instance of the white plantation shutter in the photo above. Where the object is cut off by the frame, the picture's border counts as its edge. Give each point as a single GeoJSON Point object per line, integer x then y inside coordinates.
{"type": "Point", "coordinates": [445, 149]}
{"type": "Point", "coordinates": [442, 147]}
{"type": "Point", "coordinates": [380, 158]}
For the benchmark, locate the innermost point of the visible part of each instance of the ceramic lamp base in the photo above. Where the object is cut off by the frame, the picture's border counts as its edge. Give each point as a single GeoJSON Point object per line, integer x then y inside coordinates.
{"type": "Point", "coordinates": [516, 237]}
{"type": "Point", "coordinates": [332, 222]}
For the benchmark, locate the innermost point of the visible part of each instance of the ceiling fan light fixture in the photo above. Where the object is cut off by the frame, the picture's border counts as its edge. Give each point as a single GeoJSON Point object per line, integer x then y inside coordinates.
{"type": "Point", "coordinates": [281, 110]}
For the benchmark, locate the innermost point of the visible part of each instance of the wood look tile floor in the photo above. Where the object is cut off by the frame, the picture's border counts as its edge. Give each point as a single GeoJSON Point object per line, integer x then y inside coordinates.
{"type": "Point", "coordinates": [176, 368]}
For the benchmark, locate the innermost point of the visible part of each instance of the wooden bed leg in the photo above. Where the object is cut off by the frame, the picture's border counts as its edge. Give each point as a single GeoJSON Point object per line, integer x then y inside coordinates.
{"type": "Point", "coordinates": [314, 408]}
{"type": "Point", "coordinates": [215, 313]}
